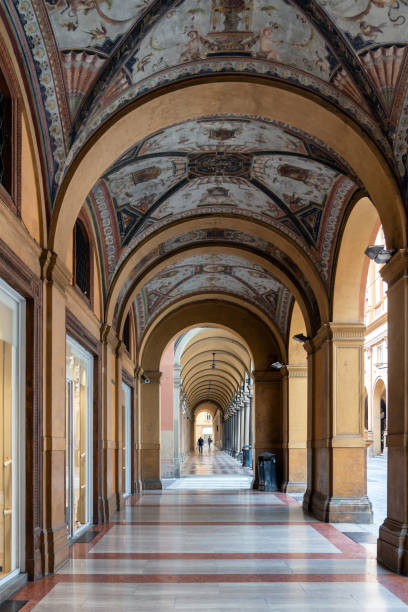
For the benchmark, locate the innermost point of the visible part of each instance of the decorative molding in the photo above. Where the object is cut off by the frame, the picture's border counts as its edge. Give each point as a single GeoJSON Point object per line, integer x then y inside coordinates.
{"type": "Point", "coordinates": [395, 269]}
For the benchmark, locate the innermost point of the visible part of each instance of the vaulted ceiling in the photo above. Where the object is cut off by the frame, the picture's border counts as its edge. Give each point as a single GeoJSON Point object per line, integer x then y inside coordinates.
{"type": "Point", "coordinates": [87, 60]}
{"type": "Point", "coordinates": [215, 363]}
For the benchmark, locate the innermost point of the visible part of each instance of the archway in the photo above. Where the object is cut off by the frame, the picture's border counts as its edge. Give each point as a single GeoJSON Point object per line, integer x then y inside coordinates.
{"type": "Point", "coordinates": [283, 103]}
{"type": "Point", "coordinates": [379, 417]}
{"type": "Point", "coordinates": [263, 348]}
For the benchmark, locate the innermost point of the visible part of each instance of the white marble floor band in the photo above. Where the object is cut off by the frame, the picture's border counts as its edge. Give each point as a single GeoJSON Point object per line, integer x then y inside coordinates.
{"type": "Point", "coordinates": [222, 566]}
{"type": "Point", "coordinates": [301, 596]}
{"type": "Point", "coordinates": [196, 538]}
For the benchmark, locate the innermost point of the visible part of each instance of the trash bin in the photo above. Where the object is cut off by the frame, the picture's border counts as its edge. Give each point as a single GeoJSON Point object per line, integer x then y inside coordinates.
{"type": "Point", "coordinates": [247, 456]}
{"type": "Point", "coordinates": [267, 472]}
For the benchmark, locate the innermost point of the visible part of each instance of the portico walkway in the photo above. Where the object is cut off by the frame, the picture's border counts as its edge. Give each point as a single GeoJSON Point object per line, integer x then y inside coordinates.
{"type": "Point", "coordinates": [211, 549]}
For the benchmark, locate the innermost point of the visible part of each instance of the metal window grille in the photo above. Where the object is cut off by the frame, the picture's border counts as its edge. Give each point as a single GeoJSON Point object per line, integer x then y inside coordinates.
{"type": "Point", "coordinates": [3, 138]}
{"type": "Point", "coordinates": [126, 334]}
{"type": "Point", "coordinates": [82, 262]}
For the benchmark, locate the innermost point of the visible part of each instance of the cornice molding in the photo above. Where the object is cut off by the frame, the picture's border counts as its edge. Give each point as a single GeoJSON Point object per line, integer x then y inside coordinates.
{"type": "Point", "coordinates": [54, 270]}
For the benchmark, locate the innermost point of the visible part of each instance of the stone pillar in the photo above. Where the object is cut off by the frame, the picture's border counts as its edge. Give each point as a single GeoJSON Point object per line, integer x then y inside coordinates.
{"type": "Point", "coordinates": [337, 480]}
{"type": "Point", "coordinates": [247, 419]}
{"type": "Point", "coordinates": [150, 431]}
{"type": "Point", "coordinates": [295, 429]}
{"type": "Point", "coordinates": [393, 538]}
{"type": "Point", "coordinates": [238, 443]}
{"type": "Point", "coordinates": [268, 418]}
{"type": "Point", "coordinates": [56, 278]}
{"type": "Point", "coordinates": [242, 428]}
{"type": "Point", "coordinates": [176, 415]}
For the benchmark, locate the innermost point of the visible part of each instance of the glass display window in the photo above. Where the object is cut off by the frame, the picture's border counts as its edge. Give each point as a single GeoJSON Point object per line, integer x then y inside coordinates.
{"type": "Point", "coordinates": [127, 439]}
{"type": "Point", "coordinates": [12, 433]}
{"type": "Point", "coordinates": [79, 399]}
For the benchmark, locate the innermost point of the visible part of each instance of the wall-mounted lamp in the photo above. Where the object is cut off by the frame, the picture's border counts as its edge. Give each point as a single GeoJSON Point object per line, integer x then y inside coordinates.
{"type": "Point", "coordinates": [277, 365]}
{"type": "Point", "coordinates": [213, 366]}
{"type": "Point", "coordinates": [301, 338]}
{"type": "Point", "coordinates": [379, 254]}
{"type": "Point", "coordinates": [145, 380]}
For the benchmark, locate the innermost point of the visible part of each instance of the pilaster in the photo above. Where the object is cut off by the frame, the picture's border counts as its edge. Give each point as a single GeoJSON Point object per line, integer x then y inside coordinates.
{"type": "Point", "coordinates": [337, 487]}
{"type": "Point", "coordinates": [150, 431]}
{"type": "Point", "coordinates": [295, 429]}
{"type": "Point", "coordinates": [267, 418]}
{"type": "Point", "coordinates": [392, 548]}
{"type": "Point", "coordinates": [56, 279]}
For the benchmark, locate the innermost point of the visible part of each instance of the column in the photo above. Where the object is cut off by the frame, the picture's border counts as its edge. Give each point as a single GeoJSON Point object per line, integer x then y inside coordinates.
{"type": "Point", "coordinates": [337, 487]}
{"type": "Point", "coordinates": [393, 539]}
{"type": "Point", "coordinates": [295, 429]}
{"type": "Point", "coordinates": [242, 428]}
{"type": "Point", "coordinates": [238, 445]}
{"type": "Point", "coordinates": [176, 414]}
{"type": "Point", "coordinates": [247, 423]}
{"type": "Point", "coordinates": [56, 278]}
{"type": "Point", "coordinates": [150, 430]}
{"type": "Point", "coordinates": [268, 418]}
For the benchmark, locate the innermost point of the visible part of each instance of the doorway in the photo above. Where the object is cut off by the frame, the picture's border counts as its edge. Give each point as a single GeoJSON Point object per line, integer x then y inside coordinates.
{"type": "Point", "coordinates": [79, 400]}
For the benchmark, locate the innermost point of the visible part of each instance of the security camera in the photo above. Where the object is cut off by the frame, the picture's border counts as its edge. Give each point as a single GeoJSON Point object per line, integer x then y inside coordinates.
{"type": "Point", "coordinates": [145, 380]}
{"type": "Point", "coordinates": [379, 254]}
{"type": "Point", "coordinates": [301, 338]}
{"type": "Point", "coordinates": [277, 365]}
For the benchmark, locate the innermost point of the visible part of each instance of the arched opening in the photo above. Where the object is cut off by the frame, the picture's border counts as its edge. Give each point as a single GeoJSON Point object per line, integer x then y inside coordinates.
{"type": "Point", "coordinates": [204, 425]}
{"type": "Point", "coordinates": [221, 384]}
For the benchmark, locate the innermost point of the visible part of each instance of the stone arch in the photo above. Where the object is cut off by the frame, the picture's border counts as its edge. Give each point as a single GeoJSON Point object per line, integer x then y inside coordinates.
{"type": "Point", "coordinates": [310, 272]}
{"type": "Point", "coordinates": [286, 103]}
{"type": "Point", "coordinates": [263, 346]}
{"type": "Point", "coordinates": [349, 279]}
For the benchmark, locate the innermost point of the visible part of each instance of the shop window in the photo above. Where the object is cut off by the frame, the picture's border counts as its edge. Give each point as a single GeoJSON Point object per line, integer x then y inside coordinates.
{"type": "Point", "coordinates": [79, 398]}
{"type": "Point", "coordinates": [82, 259]}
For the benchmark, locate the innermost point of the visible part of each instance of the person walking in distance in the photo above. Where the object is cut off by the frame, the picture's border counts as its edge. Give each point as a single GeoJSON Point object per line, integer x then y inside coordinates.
{"type": "Point", "coordinates": [209, 442]}
{"type": "Point", "coordinates": [200, 442]}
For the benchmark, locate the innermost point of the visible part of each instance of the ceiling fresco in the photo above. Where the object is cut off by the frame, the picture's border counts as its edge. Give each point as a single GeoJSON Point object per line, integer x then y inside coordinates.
{"type": "Point", "coordinates": [218, 237]}
{"type": "Point", "coordinates": [88, 58]}
{"type": "Point", "coordinates": [212, 273]}
{"type": "Point", "coordinates": [230, 165]}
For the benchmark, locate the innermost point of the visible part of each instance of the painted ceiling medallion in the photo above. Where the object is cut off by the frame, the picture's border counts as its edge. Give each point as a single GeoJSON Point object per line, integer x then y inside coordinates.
{"type": "Point", "coordinates": [220, 163]}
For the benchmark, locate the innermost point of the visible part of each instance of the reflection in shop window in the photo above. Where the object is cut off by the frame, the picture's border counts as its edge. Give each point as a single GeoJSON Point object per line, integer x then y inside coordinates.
{"type": "Point", "coordinates": [12, 312]}
{"type": "Point", "coordinates": [79, 435]}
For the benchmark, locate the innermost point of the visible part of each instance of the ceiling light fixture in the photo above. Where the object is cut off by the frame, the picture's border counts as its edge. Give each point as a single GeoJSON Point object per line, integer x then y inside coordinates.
{"type": "Point", "coordinates": [379, 254]}
{"type": "Point", "coordinates": [213, 366]}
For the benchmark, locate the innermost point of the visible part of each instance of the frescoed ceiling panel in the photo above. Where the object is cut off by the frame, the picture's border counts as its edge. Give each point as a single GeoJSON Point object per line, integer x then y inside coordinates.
{"type": "Point", "coordinates": [229, 165]}
{"type": "Point", "coordinates": [210, 273]}
{"type": "Point", "coordinates": [200, 238]}
{"type": "Point", "coordinates": [94, 56]}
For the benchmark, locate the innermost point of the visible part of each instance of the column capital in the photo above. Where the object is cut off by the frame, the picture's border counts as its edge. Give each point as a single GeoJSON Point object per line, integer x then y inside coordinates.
{"type": "Point", "coordinates": [267, 375]}
{"type": "Point", "coordinates": [337, 332]}
{"type": "Point", "coordinates": [54, 270]}
{"type": "Point", "coordinates": [153, 375]}
{"type": "Point", "coordinates": [396, 268]}
{"type": "Point", "coordinates": [297, 371]}
{"type": "Point", "coordinates": [109, 336]}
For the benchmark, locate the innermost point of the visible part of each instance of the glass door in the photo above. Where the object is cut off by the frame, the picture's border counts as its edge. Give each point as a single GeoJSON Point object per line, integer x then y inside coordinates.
{"type": "Point", "coordinates": [79, 398]}
{"type": "Point", "coordinates": [12, 438]}
{"type": "Point", "coordinates": [127, 439]}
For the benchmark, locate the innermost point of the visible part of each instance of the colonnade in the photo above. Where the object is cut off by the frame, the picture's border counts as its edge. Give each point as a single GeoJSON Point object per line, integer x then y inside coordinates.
{"type": "Point", "coordinates": [238, 430]}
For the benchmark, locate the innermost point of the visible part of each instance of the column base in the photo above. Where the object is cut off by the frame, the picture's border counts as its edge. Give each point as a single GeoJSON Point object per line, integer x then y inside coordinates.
{"type": "Point", "coordinates": [294, 487]}
{"type": "Point", "coordinates": [392, 546]}
{"type": "Point", "coordinates": [338, 509]}
{"type": "Point", "coordinates": [154, 485]}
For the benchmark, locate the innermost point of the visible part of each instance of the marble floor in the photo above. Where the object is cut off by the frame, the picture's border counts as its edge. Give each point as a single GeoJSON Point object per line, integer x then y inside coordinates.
{"type": "Point", "coordinates": [209, 542]}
